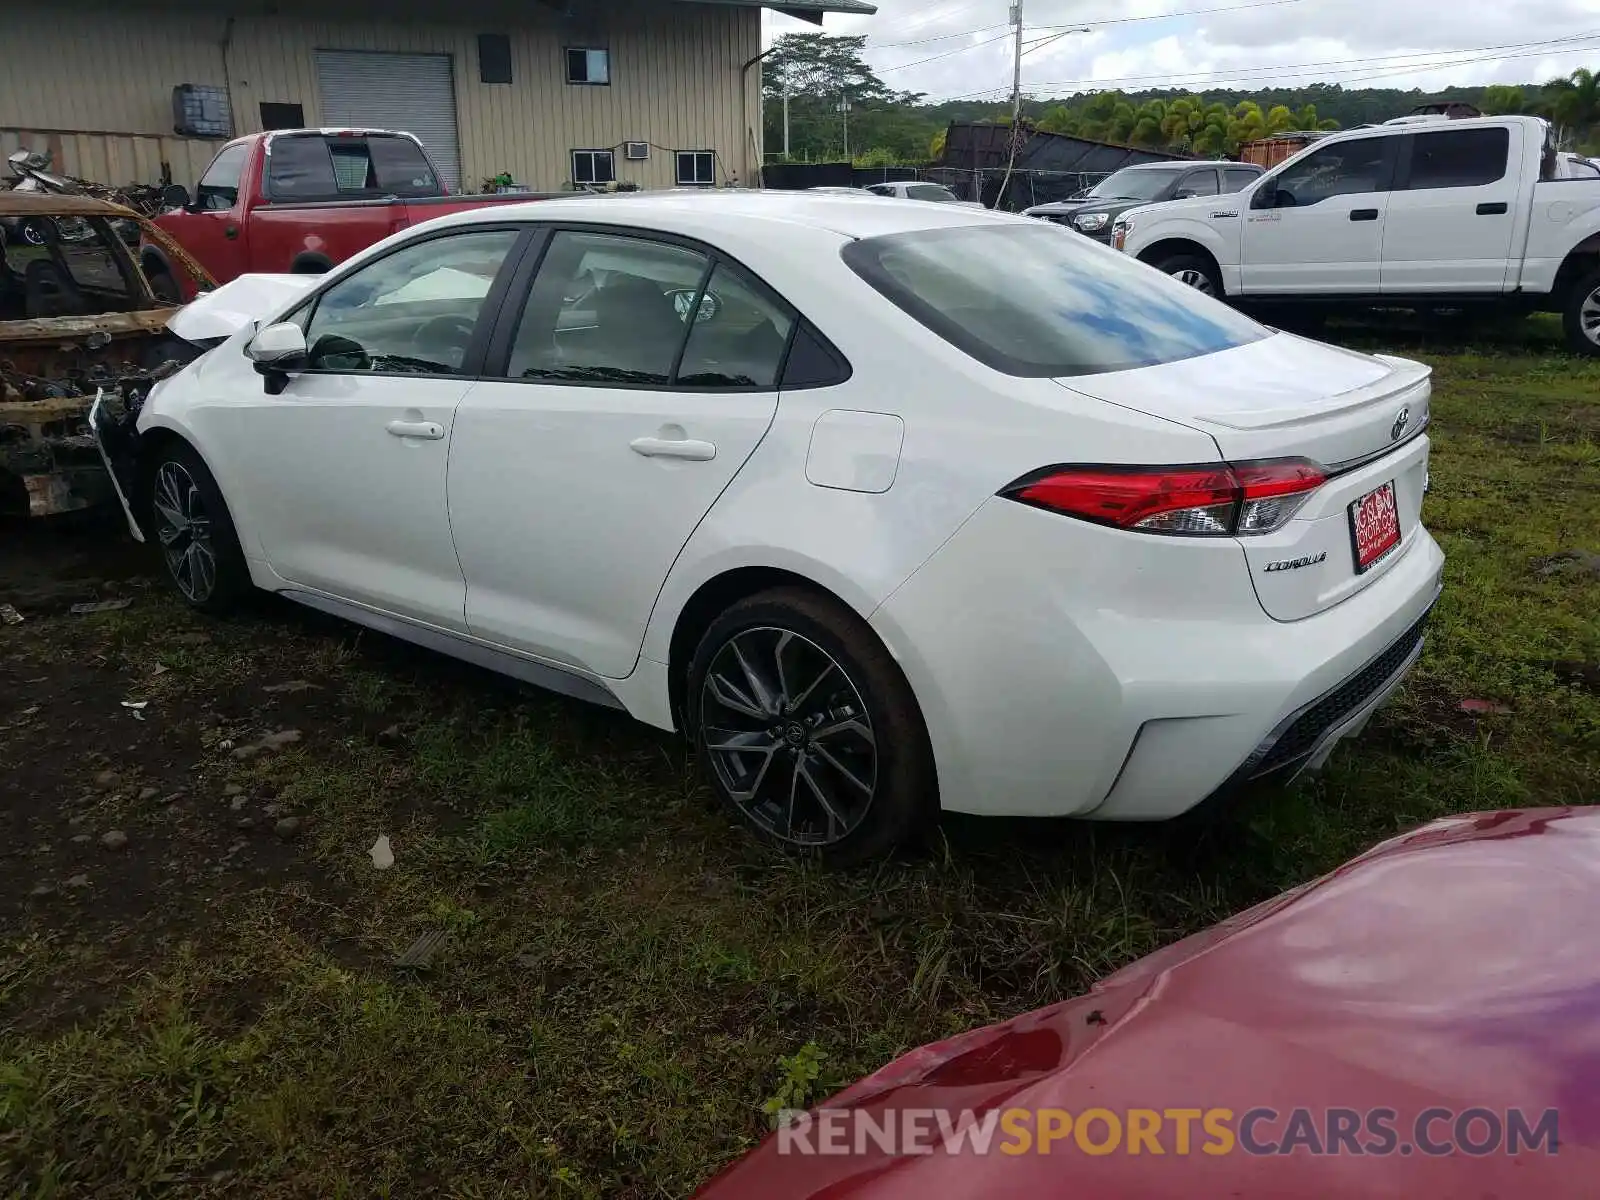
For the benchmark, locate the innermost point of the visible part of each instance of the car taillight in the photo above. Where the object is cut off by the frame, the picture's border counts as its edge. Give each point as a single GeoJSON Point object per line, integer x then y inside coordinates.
{"type": "Point", "coordinates": [1225, 500]}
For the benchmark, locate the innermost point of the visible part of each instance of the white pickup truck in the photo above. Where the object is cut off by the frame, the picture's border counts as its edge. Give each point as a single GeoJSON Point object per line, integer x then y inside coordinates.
{"type": "Point", "coordinates": [1429, 214]}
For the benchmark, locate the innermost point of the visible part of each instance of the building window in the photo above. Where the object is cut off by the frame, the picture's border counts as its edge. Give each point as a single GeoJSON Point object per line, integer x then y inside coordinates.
{"type": "Point", "coordinates": [696, 168]}
{"type": "Point", "coordinates": [282, 116]}
{"type": "Point", "coordinates": [494, 58]}
{"type": "Point", "coordinates": [588, 66]}
{"type": "Point", "coordinates": [593, 166]}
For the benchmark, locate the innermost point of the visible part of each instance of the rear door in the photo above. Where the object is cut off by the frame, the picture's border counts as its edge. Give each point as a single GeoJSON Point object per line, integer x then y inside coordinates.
{"type": "Point", "coordinates": [1202, 182]}
{"type": "Point", "coordinates": [1320, 228]}
{"type": "Point", "coordinates": [1453, 210]}
{"type": "Point", "coordinates": [630, 378]}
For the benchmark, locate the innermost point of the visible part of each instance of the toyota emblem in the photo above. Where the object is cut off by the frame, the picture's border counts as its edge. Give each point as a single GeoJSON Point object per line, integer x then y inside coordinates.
{"type": "Point", "coordinates": [1400, 423]}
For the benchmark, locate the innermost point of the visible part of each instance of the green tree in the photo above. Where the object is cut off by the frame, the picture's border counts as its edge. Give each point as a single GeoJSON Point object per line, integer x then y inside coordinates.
{"type": "Point", "coordinates": [1575, 100]}
{"type": "Point", "coordinates": [1502, 100]}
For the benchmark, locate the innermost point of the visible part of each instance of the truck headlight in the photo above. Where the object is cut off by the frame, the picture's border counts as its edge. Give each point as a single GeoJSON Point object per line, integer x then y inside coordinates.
{"type": "Point", "coordinates": [1091, 221]}
{"type": "Point", "coordinates": [1120, 231]}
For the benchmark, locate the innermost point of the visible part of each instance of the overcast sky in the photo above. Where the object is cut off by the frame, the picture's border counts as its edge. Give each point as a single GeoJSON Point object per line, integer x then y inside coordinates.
{"type": "Point", "coordinates": [1377, 43]}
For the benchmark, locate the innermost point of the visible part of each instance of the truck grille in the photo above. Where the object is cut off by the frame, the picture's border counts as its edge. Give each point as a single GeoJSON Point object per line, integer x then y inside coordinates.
{"type": "Point", "coordinates": [1305, 730]}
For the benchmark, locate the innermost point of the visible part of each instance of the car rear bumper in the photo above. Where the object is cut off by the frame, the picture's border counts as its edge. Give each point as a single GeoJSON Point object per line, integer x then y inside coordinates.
{"type": "Point", "coordinates": [1068, 669]}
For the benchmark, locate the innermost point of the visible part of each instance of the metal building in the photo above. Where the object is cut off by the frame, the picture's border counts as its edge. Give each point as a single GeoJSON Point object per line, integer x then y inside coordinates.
{"type": "Point", "coordinates": [552, 92]}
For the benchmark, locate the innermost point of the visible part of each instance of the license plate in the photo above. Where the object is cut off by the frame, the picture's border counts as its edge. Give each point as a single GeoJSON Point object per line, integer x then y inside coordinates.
{"type": "Point", "coordinates": [1374, 526]}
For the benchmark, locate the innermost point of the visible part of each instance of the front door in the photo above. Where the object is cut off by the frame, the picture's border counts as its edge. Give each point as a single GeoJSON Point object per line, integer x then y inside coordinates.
{"type": "Point", "coordinates": [215, 231]}
{"type": "Point", "coordinates": [345, 470]}
{"type": "Point", "coordinates": [634, 383]}
{"type": "Point", "coordinates": [1452, 212]}
{"type": "Point", "coordinates": [1319, 230]}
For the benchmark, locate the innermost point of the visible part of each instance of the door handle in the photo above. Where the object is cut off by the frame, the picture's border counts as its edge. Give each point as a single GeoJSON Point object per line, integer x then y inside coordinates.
{"type": "Point", "coordinates": [1363, 214]}
{"type": "Point", "coordinates": [230, 232]}
{"type": "Point", "coordinates": [426, 431]}
{"type": "Point", "coordinates": [1491, 208]}
{"type": "Point", "coordinates": [689, 448]}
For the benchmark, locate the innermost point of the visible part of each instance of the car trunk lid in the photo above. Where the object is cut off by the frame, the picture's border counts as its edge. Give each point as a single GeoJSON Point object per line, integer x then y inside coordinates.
{"type": "Point", "coordinates": [1358, 416]}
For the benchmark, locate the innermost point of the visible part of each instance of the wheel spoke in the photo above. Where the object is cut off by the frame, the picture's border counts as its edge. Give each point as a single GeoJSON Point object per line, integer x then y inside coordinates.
{"type": "Point", "coordinates": [785, 639]}
{"type": "Point", "coordinates": [800, 700]}
{"type": "Point", "coordinates": [760, 689]}
{"type": "Point", "coordinates": [850, 725]}
{"type": "Point", "coordinates": [725, 693]}
{"type": "Point", "coordinates": [732, 740]}
{"type": "Point", "coordinates": [850, 777]}
{"type": "Point", "coordinates": [834, 819]}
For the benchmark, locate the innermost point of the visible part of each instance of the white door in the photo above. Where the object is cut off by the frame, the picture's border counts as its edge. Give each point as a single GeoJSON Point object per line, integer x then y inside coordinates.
{"type": "Point", "coordinates": [1452, 212]}
{"type": "Point", "coordinates": [1321, 230]}
{"type": "Point", "coordinates": [345, 469]}
{"type": "Point", "coordinates": [415, 93]}
{"type": "Point", "coordinates": [577, 478]}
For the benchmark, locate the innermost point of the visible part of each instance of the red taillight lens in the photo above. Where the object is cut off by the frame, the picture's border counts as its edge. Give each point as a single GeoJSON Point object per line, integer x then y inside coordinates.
{"type": "Point", "coordinates": [1195, 501]}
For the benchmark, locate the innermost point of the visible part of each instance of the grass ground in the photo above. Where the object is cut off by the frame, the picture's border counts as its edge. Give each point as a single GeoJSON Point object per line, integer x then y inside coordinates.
{"type": "Point", "coordinates": [215, 1008]}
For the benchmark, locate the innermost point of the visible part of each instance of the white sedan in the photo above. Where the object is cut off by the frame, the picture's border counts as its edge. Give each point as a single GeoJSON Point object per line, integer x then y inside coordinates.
{"type": "Point", "coordinates": [913, 189]}
{"type": "Point", "coordinates": [887, 508]}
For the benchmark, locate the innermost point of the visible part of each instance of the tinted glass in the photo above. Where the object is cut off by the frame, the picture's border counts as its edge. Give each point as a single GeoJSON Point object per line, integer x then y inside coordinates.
{"type": "Point", "coordinates": [1233, 179]}
{"type": "Point", "coordinates": [1201, 183]}
{"type": "Point", "coordinates": [607, 309]}
{"type": "Point", "coordinates": [218, 188]}
{"type": "Point", "coordinates": [740, 335]}
{"type": "Point", "coordinates": [881, 189]}
{"type": "Point", "coordinates": [1034, 301]}
{"type": "Point", "coordinates": [1343, 169]}
{"type": "Point", "coordinates": [413, 310]}
{"type": "Point", "coordinates": [1143, 184]}
{"type": "Point", "coordinates": [300, 168]}
{"type": "Point", "coordinates": [401, 168]}
{"type": "Point", "coordinates": [1459, 158]}
{"type": "Point", "coordinates": [929, 191]}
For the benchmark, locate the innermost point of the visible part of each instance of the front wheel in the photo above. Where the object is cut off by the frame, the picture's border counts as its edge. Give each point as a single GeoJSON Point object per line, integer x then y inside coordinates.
{"type": "Point", "coordinates": [1581, 316]}
{"type": "Point", "coordinates": [191, 526]}
{"type": "Point", "coordinates": [808, 730]}
{"type": "Point", "coordinates": [1193, 271]}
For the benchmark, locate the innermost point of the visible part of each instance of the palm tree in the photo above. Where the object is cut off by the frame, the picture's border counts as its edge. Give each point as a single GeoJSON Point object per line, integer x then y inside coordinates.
{"type": "Point", "coordinates": [1575, 100]}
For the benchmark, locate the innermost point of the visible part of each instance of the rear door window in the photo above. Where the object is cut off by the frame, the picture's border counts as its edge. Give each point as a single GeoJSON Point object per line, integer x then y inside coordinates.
{"type": "Point", "coordinates": [1028, 301]}
{"type": "Point", "coordinates": [1233, 178]}
{"type": "Point", "coordinates": [300, 168]}
{"type": "Point", "coordinates": [1455, 158]}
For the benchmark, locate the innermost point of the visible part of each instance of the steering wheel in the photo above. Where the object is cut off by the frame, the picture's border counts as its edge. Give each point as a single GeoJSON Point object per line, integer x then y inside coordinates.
{"type": "Point", "coordinates": [452, 330]}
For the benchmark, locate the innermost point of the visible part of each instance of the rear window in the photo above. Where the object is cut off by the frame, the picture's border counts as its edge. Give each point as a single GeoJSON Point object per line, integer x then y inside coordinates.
{"type": "Point", "coordinates": [1036, 300]}
{"type": "Point", "coordinates": [307, 168]}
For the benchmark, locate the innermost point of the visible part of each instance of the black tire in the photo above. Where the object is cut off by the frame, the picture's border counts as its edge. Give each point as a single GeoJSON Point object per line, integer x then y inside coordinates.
{"type": "Point", "coordinates": [1193, 270]}
{"type": "Point", "coordinates": [828, 641]}
{"type": "Point", "coordinates": [180, 493]}
{"type": "Point", "coordinates": [1580, 315]}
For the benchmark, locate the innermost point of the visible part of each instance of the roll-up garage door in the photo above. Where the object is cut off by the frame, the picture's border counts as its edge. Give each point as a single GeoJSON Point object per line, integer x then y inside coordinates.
{"type": "Point", "coordinates": [413, 92]}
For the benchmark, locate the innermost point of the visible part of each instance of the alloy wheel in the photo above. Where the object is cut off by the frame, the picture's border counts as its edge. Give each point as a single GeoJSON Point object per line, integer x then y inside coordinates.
{"type": "Point", "coordinates": [1589, 316]}
{"type": "Point", "coordinates": [1198, 280]}
{"type": "Point", "coordinates": [789, 737]}
{"type": "Point", "coordinates": [184, 529]}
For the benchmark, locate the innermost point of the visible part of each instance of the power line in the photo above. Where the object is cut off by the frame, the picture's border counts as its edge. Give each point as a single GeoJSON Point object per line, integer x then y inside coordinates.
{"type": "Point", "coordinates": [943, 37]}
{"type": "Point", "coordinates": [1358, 66]}
{"type": "Point", "coordinates": [934, 58]}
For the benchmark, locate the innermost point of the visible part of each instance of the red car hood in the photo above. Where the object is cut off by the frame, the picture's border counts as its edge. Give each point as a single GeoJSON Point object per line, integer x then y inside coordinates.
{"type": "Point", "coordinates": [1453, 968]}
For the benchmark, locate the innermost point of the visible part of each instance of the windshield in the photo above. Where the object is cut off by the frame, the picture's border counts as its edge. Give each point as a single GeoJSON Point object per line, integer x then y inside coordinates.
{"type": "Point", "coordinates": [1134, 185]}
{"type": "Point", "coordinates": [1039, 301]}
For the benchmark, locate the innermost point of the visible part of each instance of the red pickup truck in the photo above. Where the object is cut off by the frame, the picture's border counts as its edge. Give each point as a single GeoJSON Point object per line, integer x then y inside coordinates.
{"type": "Point", "coordinates": [299, 201]}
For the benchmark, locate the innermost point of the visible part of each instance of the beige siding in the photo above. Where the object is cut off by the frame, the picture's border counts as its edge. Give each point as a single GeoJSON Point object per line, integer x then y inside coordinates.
{"type": "Point", "coordinates": [98, 87]}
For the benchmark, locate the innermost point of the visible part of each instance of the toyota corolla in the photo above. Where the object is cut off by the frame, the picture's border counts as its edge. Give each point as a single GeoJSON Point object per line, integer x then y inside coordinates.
{"type": "Point", "coordinates": [888, 507]}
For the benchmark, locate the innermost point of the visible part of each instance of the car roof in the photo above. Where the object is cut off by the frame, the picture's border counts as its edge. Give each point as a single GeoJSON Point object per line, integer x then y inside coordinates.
{"type": "Point", "coordinates": [859, 216]}
{"type": "Point", "coordinates": [53, 204]}
{"type": "Point", "coordinates": [1187, 162]}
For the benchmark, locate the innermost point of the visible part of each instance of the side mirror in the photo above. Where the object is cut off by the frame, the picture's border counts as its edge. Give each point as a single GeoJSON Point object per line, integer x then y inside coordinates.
{"type": "Point", "coordinates": [175, 195]}
{"type": "Point", "coordinates": [1266, 196]}
{"type": "Point", "coordinates": [281, 347]}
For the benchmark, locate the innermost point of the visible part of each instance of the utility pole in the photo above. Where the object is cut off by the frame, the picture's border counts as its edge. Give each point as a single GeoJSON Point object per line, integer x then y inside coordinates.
{"type": "Point", "coordinates": [786, 114]}
{"type": "Point", "coordinates": [844, 107]}
{"type": "Point", "coordinates": [1016, 102]}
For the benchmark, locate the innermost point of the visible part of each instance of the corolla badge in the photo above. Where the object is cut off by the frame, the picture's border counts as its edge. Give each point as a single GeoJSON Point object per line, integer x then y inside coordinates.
{"type": "Point", "coordinates": [1294, 564]}
{"type": "Point", "coordinates": [1401, 423]}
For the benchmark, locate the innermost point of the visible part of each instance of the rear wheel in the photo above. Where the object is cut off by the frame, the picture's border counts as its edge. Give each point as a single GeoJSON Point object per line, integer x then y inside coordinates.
{"type": "Point", "coordinates": [808, 729]}
{"type": "Point", "coordinates": [1582, 316]}
{"type": "Point", "coordinates": [1192, 270]}
{"type": "Point", "coordinates": [194, 532]}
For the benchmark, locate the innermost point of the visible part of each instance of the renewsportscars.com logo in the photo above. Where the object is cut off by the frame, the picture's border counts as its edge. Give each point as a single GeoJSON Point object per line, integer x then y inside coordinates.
{"type": "Point", "coordinates": [1434, 1132]}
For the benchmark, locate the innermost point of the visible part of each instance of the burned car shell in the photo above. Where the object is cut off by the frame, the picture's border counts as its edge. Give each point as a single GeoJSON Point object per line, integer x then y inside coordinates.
{"type": "Point", "coordinates": [57, 352]}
